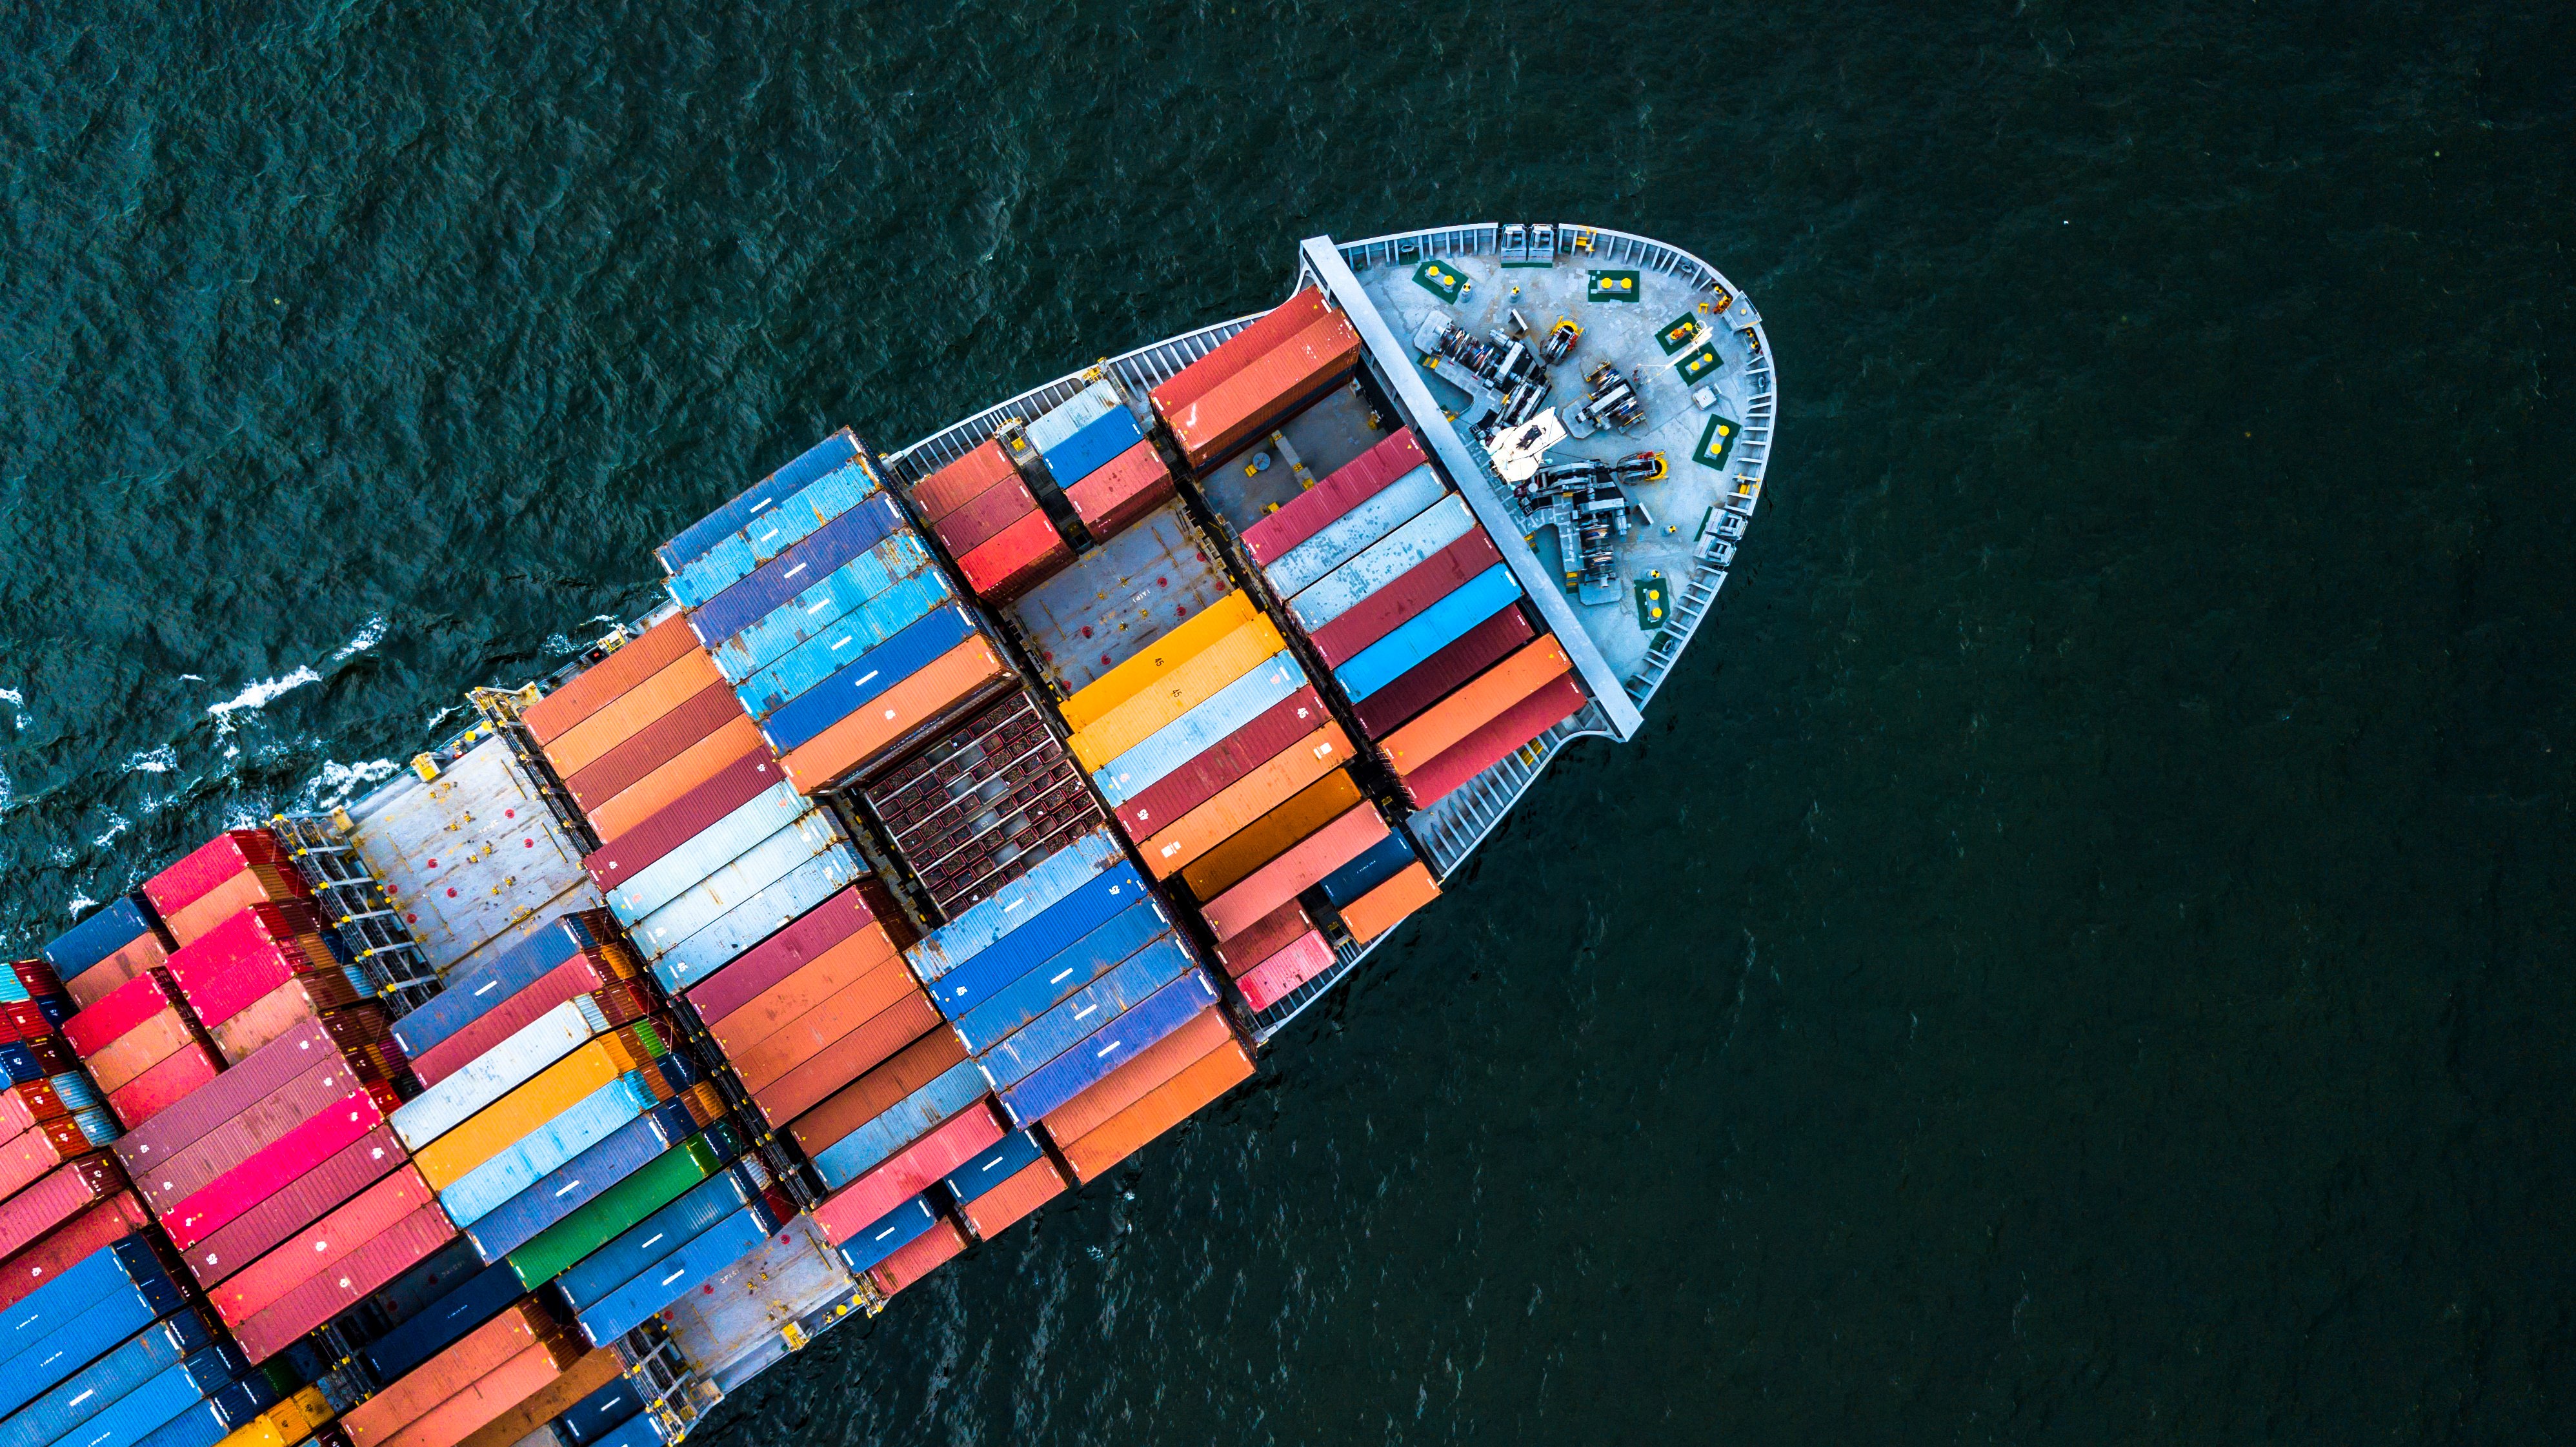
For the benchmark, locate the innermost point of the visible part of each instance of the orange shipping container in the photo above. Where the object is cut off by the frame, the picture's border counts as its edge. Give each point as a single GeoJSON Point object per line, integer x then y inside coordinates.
{"type": "Point", "coordinates": [1169, 1104]}
{"type": "Point", "coordinates": [513, 1382]}
{"type": "Point", "coordinates": [855, 958]}
{"type": "Point", "coordinates": [100, 980]}
{"type": "Point", "coordinates": [272, 1015]}
{"type": "Point", "coordinates": [951, 679]}
{"type": "Point", "coordinates": [1160, 657]}
{"type": "Point", "coordinates": [1234, 409]}
{"type": "Point", "coordinates": [258, 884]}
{"type": "Point", "coordinates": [876, 1091]}
{"type": "Point", "coordinates": [1172, 693]}
{"type": "Point", "coordinates": [918, 1257]}
{"type": "Point", "coordinates": [1138, 1078]}
{"type": "Point", "coordinates": [595, 1370]}
{"type": "Point", "coordinates": [840, 1012]}
{"type": "Point", "coordinates": [739, 739]}
{"type": "Point", "coordinates": [1271, 835]}
{"type": "Point", "coordinates": [595, 687]}
{"type": "Point", "coordinates": [673, 685]}
{"type": "Point", "coordinates": [1279, 324]}
{"type": "Point", "coordinates": [1477, 703]}
{"type": "Point", "coordinates": [1293, 873]}
{"type": "Point", "coordinates": [466, 1361]}
{"type": "Point", "coordinates": [1382, 908]}
{"type": "Point", "coordinates": [139, 1049]}
{"type": "Point", "coordinates": [1032, 1186]}
{"type": "Point", "coordinates": [848, 1058]}
{"type": "Point", "coordinates": [1239, 804]}
{"type": "Point", "coordinates": [503, 1123]}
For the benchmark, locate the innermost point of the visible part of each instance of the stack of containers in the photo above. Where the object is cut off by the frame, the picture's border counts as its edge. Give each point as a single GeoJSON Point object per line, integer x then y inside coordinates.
{"type": "Point", "coordinates": [587, 1403]}
{"type": "Point", "coordinates": [699, 1234]}
{"type": "Point", "coordinates": [261, 970]}
{"type": "Point", "coordinates": [983, 802]}
{"type": "Point", "coordinates": [34, 1057]}
{"type": "Point", "coordinates": [1100, 458]}
{"type": "Point", "coordinates": [142, 1045]}
{"type": "Point", "coordinates": [225, 875]}
{"type": "Point", "coordinates": [991, 523]}
{"type": "Point", "coordinates": [283, 1188]}
{"type": "Point", "coordinates": [1224, 399]}
{"type": "Point", "coordinates": [641, 727]}
{"type": "Point", "coordinates": [110, 1352]}
{"type": "Point", "coordinates": [121, 940]}
{"type": "Point", "coordinates": [468, 1384]}
{"type": "Point", "coordinates": [1155, 1090]}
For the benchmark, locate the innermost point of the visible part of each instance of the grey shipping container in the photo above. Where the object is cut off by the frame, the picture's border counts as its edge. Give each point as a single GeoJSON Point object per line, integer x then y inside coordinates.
{"type": "Point", "coordinates": [1383, 561]}
{"type": "Point", "coordinates": [1344, 536]}
{"type": "Point", "coordinates": [735, 880]}
{"type": "Point", "coordinates": [493, 1074]}
{"type": "Point", "coordinates": [720, 842]}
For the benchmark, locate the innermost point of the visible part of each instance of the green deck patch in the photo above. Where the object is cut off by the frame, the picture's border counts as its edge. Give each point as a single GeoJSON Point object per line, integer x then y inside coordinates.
{"type": "Point", "coordinates": [1611, 286]}
{"type": "Point", "coordinates": [1653, 602]}
{"type": "Point", "coordinates": [1440, 279]}
{"type": "Point", "coordinates": [1699, 364]}
{"type": "Point", "coordinates": [1679, 334]}
{"type": "Point", "coordinates": [1717, 441]}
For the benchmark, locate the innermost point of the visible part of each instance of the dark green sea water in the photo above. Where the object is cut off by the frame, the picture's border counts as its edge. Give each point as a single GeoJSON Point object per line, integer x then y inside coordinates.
{"type": "Point", "coordinates": [2082, 951]}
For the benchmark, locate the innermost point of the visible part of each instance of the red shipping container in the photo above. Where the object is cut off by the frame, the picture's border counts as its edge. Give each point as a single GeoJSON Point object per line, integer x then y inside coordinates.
{"type": "Point", "coordinates": [31, 1152]}
{"type": "Point", "coordinates": [1420, 586]}
{"type": "Point", "coordinates": [908, 1173]}
{"type": "Point", "coordinates": [168, 1082]}
{"type": "Point", "coordinates": [365, 1216]}
{"type": "Point", "coordinates": [147, 952]}
{"type": "Point", "coordinates": [583, 974]}
{"type": "Point", "coordinates": [1016, 559]}
{"type": "Point", "coordinates": [175, 1177]}
{"type": "Point", "coordinates": [1120, 491]}
{"type": "Point", "coordinates": [918, 1257]}
{"type": "Point", "coordinates": [812, 935]}
{"type": "Point", "coordinates": [211, 864]}
{"type": "Point", "coordinates": [299, 998]}
{"type": "Point", "coordinates": [50, 1202]}
{"type": "Point", "coordinates": [261, 884]}
{"type": "Point", "coordinates": [596, 686]}
{"type": "Point", "coordinates": [28, 1104]}
{"type": "Point", "coordinates": [1032, 1186]}
{"type": "Point", "coordinates": [1232, 355]}
{"type": "Point", "coordinates": [1484, 698]}
{"type": "Point", "coordinates": [1136, 1079]}
{"type": "Point", "coordinates": [197, 1216]}
{"type": "Point", "coordinates": [962, 481]}
{"type": "Point", "coordinates": [876, 1091]}
{"type": "Point", "coordinates": [1438, 676]}
{"type": "Point", "coordinates": [1228, 759]}
{"type": "Point", "coordinates": [332, 1292]}
{"type": "Point", "coordinates": [992, 510]}
{"type": "Point", "coordinates": [655, 744]}
{"type": "Point", "coordinates": [1275, 932]}
{"type": "Point", "coordinates": [1268, 389]}
{"type": "Point", "coordinates": [1349, 485]}
{"type": "Point", "coordinates": [23, 1020]}
{"type": "Point", "coordinates": [309, 1197]}
{"type": "Point", "coordinates": [37, 976]}
{"type": "Point", "coordinates": [227, 1096]}
{"type": "Point", "coordinates": [123, 1008]}
{"type": "Point", "coordinates": [1558, 701]}
{"type": "Point", "coordinates": [222, 990]}
{"type": "Point", "coordinates": [1271, 981]}
{"type": "Point", "coordinates": [846, 1059]}
{"type": "Point", "coordinates": [682, 820]}
{"type": "Point", "coordinates": [1301, 868]}
{"type": "Point", "coordinates": [71, 1243]}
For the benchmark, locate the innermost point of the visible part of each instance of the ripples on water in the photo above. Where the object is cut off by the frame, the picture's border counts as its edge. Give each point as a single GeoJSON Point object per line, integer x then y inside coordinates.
{"type": "Point", "coordinates": [2080, 949]}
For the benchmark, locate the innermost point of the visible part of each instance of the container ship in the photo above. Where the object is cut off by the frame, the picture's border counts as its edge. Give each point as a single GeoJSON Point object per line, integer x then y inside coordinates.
{"type": "Point", "coordinates": [971, 815]}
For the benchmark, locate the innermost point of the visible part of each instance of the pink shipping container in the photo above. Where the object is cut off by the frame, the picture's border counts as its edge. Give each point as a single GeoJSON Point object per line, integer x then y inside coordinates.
{"type": "Point", "coordinates": [1120, 491]}
{"type": "Point", "coordinates": [333, 1292]}
{"type": "Point", "coordinates": [71, 1243]}
{"type": "Point", "coordinates": [272, 1170]}
{"type": "Point", "coordinates": [1420, 586]}
{"type": "Point", "coordinates": [1017, 559]}
{"type": "Point", "coordinates": [1488, 746]}
{"type": "Point", "coordinates": [962, 481]}
{"type": "Point", "coordinates": [996, 508]}
{"type": "Point", "coordinates": [309, 1197]}
{"type": "Point", "coordinates": [1353, 483]}
{"type": "Point", "coordinates": [38, 1149]}
{"type": "Point", "coordinates": [812, 935]}
{"type": "Point", "coordinates": [320, 1246]}
{"type": "Point", "coordinates": [172, 1079]}
{"type": "Point", "coordinates": [28, 1104]}
{"type": "Point", "coordinates": [123, 1008]}
{"type": "Point", "coordinates": [1270, 981]}
{"type": "Point", "coordinates": [860, 1204]}
{"type": "Point", "coordinates": [227, 1096]}
{"type": "Point", "coordinates": [258, 1125]}
{"type": "Point", "coordinates": [1272, 933]}
{"type": "Point", "coordinates": [1296, 871]}
{"type": "Point", "coordinates": [298, 998]}
{"type": "Point", "coordinates": [1229, 759]}
{"type": "Point", "coordinates": [210, 864]}
{"type": "Point", "coordinates": [580, 975]}
{"type": "Point", "coordinates": [61, 1195]}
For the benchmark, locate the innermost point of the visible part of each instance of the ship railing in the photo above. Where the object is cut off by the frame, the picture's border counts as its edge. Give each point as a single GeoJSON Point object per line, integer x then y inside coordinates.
{"type": "Point", "coordinates": [390, 961]}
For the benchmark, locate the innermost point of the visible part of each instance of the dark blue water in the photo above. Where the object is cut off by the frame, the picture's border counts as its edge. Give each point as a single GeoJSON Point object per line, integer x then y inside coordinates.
{"type": "Point", "coordinates": [2083, 949]}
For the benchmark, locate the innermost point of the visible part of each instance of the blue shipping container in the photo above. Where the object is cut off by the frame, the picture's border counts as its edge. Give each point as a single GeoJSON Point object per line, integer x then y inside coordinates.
{"type": "Point", "coordinates": [163, 1345]}
{"type": "Point", "coordinates": [907, 1120]}
{"type": "Point", "coordinates": [689, 863]}
{"type": "Point", "coordinates": [757, 918]}
{"type": "Point", "coordinates": [672, 1277]}
{"type": "Point", "coordinates": [1057, 424]}
{"type": "Point", "coordinates": [973, 932]}
{"type": "Point", "coordinates": [831, 454]}
{"type": "Point", "coordinates": [123, 1311]}
{"type": "Point", "coordinates": [806, 615]}
{"type": "Point", "coordinates": [577, 1182]}
{"type": "Point", "coordinates": [819, 556]}
{"type": "Point", "coordinates": [888, 1234]}
{"type": "Point", "coordinates": [600, 1413]}
{"type": "Point", "coordinates": [1376, 865]}
{"type": "Point", "coordinates": [993, 1165]}
{"type": "Point", "coordinates": [1058, 975]}
{"type": "Point", "coordinates": [166, 1394]}
{"type": "Point", "coordinates": [1200, 729]}
{"type": "Point", "coordinates": [811, 663]}
{"type": "Point", "coordinates": [203, 1424]}
{"type": "Point", "coordinates": [1344, 537]}
{"type": "Point", "coordinates": [1082, 454]}
{"type": "Point", "coordinates": [1077, 1070]}
{"type": "Point", "coordinates": [640, 1430]}
{"type": "Point", "coordinates": [84, 1284]}
{"type": "Point", "coordinates": [685, 1218]}
{"type": "Point", "coordinates": [479, 991]}
{"type": "Point", "coordinates": [773, 532]}
{"type": "Point", "coordinates": [121, 923]}
{"type": "Point", "coordinates": [911, 649]}
{"type": "Point", "coordinates": [1427, 632]}
{"type": "Point", "coordinates": [1060, 925]}
{"type": "Point", "coordinates": [590, 1120]}
{"type": "Point", "coordinates": [1085, 1010]}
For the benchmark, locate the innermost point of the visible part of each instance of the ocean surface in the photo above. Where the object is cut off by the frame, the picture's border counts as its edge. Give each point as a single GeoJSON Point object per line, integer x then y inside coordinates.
{"type": "Point", "coordinates": [2082, 950]}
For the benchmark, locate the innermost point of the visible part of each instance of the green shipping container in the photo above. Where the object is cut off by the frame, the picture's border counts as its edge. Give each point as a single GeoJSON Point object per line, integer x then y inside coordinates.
{"type": "Point", "coordinates": [559, 1246]}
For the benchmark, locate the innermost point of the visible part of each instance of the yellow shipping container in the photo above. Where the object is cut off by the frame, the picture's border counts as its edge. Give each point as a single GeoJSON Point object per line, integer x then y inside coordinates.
{"type": "Point", "coordinates": [505, 1122]}
{"type": "Point", "coordinates": [1270, 836]}
{"type": "Point", "coordinates": [283, 1425]}
{"type": "Point", "coordinates": [1177, 692]}
{"type": "Point", "coordinates": [1160, 657]}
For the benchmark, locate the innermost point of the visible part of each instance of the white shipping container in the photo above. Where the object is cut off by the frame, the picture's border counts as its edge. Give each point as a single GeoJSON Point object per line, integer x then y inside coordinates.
{"type": "Point", "coordinates": [493, 1074]}
{"type": "Point", "coordinates": [1343, 537]}
{"type": "Point", "coordinates": [1077, 412]}
{"type": "Point", "coordinates": [710, 849]}
{"type": "Point", "coordinates": [754, 870]}
{"type": "Point", "coordinates": [757, 918]}
{"type": "Point", "coordinates": [1383, 561]}
{"type": "Point", "coordinates": [1200, 729]}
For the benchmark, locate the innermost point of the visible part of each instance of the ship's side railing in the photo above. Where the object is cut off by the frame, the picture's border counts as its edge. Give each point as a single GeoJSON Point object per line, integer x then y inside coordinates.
{"type": "Point", "coordinates": [1141, 371]}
